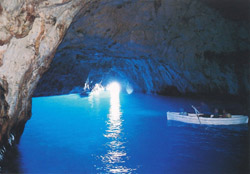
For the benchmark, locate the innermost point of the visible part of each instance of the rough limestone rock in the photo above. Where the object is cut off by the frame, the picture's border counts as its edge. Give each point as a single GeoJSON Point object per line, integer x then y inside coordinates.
{"type": "Point", "coordinates": [30, 32]}
{"type": "Point", "coordinates": [161, 46]}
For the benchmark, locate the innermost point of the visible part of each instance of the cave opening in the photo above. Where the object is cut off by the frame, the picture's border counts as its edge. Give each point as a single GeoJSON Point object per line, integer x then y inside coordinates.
{"type": "Point", "coordinates": [149, 47]}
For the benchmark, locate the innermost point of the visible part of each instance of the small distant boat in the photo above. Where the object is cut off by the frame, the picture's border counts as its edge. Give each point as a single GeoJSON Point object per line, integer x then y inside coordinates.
{"type": "Point", "coordinates": [84, 93]}
{"type": "Point", "coordinates": [198, 119]}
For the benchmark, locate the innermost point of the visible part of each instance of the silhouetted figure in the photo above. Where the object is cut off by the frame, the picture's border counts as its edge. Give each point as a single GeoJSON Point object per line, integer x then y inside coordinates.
{"type": "Point", "coordinates": [205, 110]}
{"type": "Point", "coordinates": [182, 112]}
{"type": "Point", "coordinates": [225, 114]}
{"type": "Point", "coordinates": [216, 113]}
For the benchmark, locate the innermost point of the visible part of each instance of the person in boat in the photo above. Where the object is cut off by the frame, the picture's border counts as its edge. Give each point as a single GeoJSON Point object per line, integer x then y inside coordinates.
{"type": "Point", "coordinates": [205, 110]}
{"type": "Point", "coordinates": [216, 113]}
{"type": "Point", "coordinates": [225, 114]}
{"type": "Point", "coordinates": [182, 112]}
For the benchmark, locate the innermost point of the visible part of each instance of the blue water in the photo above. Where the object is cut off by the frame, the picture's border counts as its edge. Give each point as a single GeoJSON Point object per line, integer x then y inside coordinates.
{"type": "Point", "coordinates": [126, 134]}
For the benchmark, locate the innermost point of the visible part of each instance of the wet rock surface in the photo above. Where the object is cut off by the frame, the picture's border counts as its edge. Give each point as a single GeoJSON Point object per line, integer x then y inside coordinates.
{"type": "Point", "coordinates": [30, 32]}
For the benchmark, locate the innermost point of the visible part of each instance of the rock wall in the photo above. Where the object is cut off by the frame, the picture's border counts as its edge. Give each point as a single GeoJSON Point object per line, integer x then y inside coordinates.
{"type": "Point", "coordinates": [30, 32]}
{"type": "Point", "coordinates": [166, 47]}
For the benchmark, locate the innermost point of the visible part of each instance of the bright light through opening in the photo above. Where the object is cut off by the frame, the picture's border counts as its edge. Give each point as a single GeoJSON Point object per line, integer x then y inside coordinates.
{"type": "Point", "coordinates": [114, 87]}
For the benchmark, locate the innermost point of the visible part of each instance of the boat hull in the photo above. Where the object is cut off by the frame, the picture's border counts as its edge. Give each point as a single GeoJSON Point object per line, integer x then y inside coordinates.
{"type": "Point", "coordinates": [192, 118]}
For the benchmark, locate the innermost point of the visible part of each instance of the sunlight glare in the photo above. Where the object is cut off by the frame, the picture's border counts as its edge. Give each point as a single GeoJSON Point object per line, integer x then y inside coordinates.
{"type": "Point", "coordinates": [116, 153]}
{"type": "Point", "coordinates": [114, 87]}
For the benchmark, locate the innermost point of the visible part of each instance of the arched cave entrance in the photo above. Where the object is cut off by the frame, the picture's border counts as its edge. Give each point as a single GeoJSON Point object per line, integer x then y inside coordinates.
{"type": "Point", "coordinates": [156, 47]}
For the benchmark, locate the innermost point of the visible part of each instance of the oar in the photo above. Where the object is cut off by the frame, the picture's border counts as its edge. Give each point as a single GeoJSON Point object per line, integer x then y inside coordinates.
{"type": "Point", "coordinates": [196, 112]}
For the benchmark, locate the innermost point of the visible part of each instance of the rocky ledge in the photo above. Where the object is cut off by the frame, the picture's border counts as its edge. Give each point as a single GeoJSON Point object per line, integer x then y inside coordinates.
{"type": "Point", "coordinates": [30, 32]}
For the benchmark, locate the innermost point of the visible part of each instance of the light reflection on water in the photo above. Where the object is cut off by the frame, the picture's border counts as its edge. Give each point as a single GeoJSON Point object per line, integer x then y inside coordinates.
{"type": "Point", "coordinates": [116, 156]}
{"type": "Point", "coordinates": [93, 99]}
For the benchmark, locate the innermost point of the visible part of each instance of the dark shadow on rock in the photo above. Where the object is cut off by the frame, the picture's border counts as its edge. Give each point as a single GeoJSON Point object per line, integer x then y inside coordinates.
{"type": "Point", "coordinates": [231, 9]}
{"type": "Point", "coordinates": [11, 161]}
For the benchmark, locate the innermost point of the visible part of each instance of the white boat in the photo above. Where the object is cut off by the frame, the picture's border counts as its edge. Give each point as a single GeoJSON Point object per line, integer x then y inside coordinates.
{"type": "Point", "coordinates": [198, 119]}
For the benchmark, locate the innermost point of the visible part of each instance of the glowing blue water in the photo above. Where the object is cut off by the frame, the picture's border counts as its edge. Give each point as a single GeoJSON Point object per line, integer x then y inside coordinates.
{"type": "Point", "coordinates": [130, 134]}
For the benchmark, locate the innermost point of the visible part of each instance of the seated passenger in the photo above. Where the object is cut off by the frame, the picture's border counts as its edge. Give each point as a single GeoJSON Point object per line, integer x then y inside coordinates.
{"type": "Point", "coordinates": [205, 110]}
{"type": "Point", "coordinates": [226, 114]}
{"type": "Point", "coordinates": [182, 112]}
{"type": "Point", "coordinates": [216, 113]}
